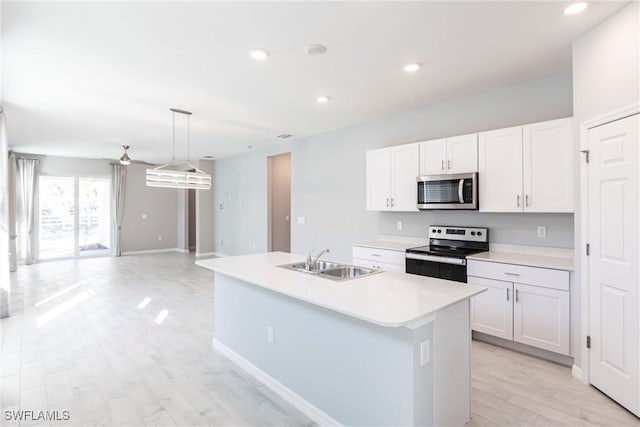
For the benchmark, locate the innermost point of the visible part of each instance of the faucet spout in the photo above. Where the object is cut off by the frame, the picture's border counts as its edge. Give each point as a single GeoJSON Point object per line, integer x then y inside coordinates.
{"type": "Point", "coordinates": [311, 261]}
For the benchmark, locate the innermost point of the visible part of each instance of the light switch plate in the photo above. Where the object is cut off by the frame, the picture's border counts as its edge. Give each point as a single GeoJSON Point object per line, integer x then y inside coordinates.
{"type": "Point", "coordinates": [270, 337]}
{"type": "Point", "coordinates": [425, 352]}
{"type": "Point", "coordinates": [399, 225]}
{"type": "Point", "coordinates": [301, 220]}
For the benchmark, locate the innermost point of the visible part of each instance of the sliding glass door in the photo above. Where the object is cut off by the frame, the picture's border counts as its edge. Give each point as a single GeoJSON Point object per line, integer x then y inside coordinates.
{"type": "Point", "coordinates": [75, 216]}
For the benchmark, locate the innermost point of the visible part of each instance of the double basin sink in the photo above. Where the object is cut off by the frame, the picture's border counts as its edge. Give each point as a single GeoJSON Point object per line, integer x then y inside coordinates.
{"type": "Point", "coordinates": [332, 270]}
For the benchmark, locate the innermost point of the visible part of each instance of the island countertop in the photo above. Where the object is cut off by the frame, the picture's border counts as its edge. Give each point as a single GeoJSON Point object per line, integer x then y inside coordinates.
{"type": "Point", "coordinates": [387, 299]}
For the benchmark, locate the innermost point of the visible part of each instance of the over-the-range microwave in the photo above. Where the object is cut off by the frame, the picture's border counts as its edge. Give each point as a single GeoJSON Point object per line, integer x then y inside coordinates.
{"type": "Point", "coordinates": [455, 191]}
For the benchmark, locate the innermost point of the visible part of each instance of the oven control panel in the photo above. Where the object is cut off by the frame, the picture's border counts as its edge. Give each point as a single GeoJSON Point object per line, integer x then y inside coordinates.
{"type": "Point", "coordinates": [470, 234]}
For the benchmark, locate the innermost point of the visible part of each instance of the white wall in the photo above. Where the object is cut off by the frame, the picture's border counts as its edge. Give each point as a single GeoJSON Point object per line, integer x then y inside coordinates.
{"type": "Point", "coordinates": [328, 177]}
{"type": "Point", "coordinates": [606, 77]}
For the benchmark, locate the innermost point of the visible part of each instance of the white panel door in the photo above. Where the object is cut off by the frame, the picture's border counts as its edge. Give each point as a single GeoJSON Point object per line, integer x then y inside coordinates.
{"type": "Point", "coordinates": [541, 317]}
{"type": "Point", "coordinates": [462, 154]}
{"type": "Point", "coordinates": [433, 157]}
{"type": "Point", "coordinates": [404, 171]}
{"type": "Point", "coordinates": [379, 179]}
{"type": "Point", "coordinates": [548, 164]}
{"type": "Point", "coordinates": [614, 236]}
{"type": "Point", "coordinates": [500, 170]}
{"type": "Point", "coordinates": [492, 311]}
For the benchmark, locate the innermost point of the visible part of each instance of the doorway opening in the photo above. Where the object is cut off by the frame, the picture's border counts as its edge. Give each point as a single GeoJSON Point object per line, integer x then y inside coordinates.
{"type": "Point", "coordinates": [279, 202]}
{"type": "Point", "coordinates": [191, 220]}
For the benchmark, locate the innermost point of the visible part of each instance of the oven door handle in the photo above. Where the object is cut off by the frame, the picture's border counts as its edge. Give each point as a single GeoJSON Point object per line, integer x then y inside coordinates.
{"type": "Point", "coordinates": [445, 260]}
{"type": "Point", "coordinates": [460, 194]}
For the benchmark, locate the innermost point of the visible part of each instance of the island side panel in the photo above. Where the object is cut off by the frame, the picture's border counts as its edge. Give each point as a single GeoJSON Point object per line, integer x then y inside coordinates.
{"type": "Point", "coordinates": [356, 372]}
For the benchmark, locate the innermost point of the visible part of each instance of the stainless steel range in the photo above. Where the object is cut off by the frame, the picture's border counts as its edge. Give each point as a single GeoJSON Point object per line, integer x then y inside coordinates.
{"type": "Point", "coordinates": [445, 256]}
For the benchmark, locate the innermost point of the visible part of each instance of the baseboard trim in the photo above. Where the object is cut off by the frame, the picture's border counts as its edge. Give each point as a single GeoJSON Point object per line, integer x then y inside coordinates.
{"type": "Point", "coordinates": [218, 254]}
{"type": "Point", "coordinates": [576, 372]}
{"type": "Point", "coordinates": [152, 251]}
{"type": "Point", "coordinates": [291, 397]}
{"type": "Point", "coordinates": [182, 250]}
{"type": "Point", "coordinates": [558, 358]}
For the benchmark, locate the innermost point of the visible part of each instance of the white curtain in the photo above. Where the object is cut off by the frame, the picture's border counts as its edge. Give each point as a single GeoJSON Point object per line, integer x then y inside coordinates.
{"type": "Point", "coordinates": [5, 285]}
{"type": "Point", "coordinates": [27, 175]}
{"type": "Point", "coordinates": [118, 182]}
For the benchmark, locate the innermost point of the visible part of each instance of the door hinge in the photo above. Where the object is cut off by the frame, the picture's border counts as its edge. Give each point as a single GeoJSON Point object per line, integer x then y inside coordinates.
{"type": "Point", "coordinates": [588, 249]}
{"type": "Point", "coordinates": [586, 155]}
{"type": "Point", "coordinates": [588, 341]}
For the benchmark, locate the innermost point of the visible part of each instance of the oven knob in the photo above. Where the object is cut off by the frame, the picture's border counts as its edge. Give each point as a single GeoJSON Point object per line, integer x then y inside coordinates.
{"type": "Point", "coordinates": [473, 233]}
{"type": "Point", "coordinates": [439, 231]}
{"type": "Point", "coordinates": [479, 233]}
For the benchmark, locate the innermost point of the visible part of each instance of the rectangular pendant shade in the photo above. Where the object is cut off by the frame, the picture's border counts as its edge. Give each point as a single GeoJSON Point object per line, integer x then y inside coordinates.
{"type": "Point", "coordinates": [167, 178]}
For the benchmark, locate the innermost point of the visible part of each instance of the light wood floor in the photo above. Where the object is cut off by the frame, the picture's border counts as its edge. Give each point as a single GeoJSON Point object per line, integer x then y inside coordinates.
{"type": "Point", "coordinates": [78, 341]}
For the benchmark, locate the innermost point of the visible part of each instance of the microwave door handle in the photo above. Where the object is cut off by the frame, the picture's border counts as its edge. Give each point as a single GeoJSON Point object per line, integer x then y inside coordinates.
{"type": "Point", "coordinates": [460, 194]}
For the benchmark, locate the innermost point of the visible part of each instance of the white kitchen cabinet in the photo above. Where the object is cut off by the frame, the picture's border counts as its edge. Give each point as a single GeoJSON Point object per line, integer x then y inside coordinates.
{"type": "Point", "coordinates": [391, 178]}
{"type": "Point", "coordinates": [541, 317]}
{"type": "Point", "coordinates": [500, 170]}
{"type": "Point", "coordinates": [383, 259]}
{"type": "Point", "coordinates": [536, 313]}
{"type": "Point", "coordinates": [548, 166]}
{"type": "Point", "coordinates": [527, 168]}
{"type": "Point", "coordinates": [458, 154]}
{"type": "Point", "coordinates": [492, 311]}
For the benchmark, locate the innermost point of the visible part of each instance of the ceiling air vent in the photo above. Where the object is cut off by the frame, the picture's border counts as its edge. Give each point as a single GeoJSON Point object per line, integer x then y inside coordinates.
{"type": "Point", "coordinates": [284, 136]}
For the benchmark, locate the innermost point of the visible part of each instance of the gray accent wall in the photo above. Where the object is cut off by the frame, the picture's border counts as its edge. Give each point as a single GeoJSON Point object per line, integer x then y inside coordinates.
{"type": "Point", "coordinates": [204, 214]}
{"type": "Point", "coordinates": [328, 177]}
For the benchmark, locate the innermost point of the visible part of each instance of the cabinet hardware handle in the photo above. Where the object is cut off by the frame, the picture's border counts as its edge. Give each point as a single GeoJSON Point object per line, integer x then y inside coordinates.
{"type": "Point", "coordinates": [387, 202]}
{"type": "Point", "coordinates": [517, 295]}
{"type": "Point", "coordinates": [507, 294]}
{"type": "Point", "coordinates": [526, 200]}
{"type": "Point", "coordinates": [375, 254]}
{"type": "Point", "coordinates": [392, 202]}
{"type": "Point", "coordinates": [443, 165]}
{"type": "Point", "coordinates": [512, 274]}
{"type": "Point", "coordinates": [448, 164]}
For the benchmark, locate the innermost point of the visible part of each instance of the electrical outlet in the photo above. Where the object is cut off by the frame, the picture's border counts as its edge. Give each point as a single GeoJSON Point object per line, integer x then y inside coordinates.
{"type": "Point", "coordinates": [270, 338]}
{"type": "Point", "coordinates": [221, 242]}
{"type": "Point", "coordinates": [254, 247]}
{"type": "Point", "coordinates": [542, 232]}
{"type": "Point", "coordinates": [220, 205]}
{"type": "Point", "coordinates": [399, 225]}
{"type": "Point", "coordinates": [301, 220]}
{"type": "Point", "coordinates": [160, 237]}
{"type": "Point", "coordinates": [144, 216]}
{"type": "Point", "coordinates": [425, 352]}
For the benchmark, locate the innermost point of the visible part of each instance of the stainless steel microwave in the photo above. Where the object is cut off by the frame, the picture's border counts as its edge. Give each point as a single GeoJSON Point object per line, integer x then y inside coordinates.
{"type": "Point", "coordinates": [455, 191]}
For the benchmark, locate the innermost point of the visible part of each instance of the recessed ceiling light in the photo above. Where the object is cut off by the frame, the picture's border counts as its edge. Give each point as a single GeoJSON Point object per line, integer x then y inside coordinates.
{"type": "Point", "coordinates": [322, 99]}
{"type": "Point", "coordinates": [575, 8]}
{"type": "Point", "coordinates": [258, 54]}
{"type": "Point", "coordinates": [412, 68]}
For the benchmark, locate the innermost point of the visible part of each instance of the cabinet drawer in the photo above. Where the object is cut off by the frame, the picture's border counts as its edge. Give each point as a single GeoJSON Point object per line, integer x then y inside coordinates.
{"type": "Point", "coordinates": [544, 277]}
{"type": "Point", "coordinates": [382, 255]}
{"type": "Point", "coordinates": [384, 266]}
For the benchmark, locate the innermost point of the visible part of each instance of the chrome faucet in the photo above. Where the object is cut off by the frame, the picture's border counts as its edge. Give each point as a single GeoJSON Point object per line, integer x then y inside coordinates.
{"type": "Point", "coordinates": [311, 261]}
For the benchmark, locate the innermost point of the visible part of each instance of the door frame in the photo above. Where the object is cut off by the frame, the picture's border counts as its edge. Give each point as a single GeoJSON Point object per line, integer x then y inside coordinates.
{"type": "Point", "coordinates": [582, 372]}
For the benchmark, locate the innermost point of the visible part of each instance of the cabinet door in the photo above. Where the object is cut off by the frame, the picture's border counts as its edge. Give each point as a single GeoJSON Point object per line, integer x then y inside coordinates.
{"type": "Point", "coordinates": [379, 179]}
{"type": "Point", "coordinates": [462, 154]}
{"type": "Point", "coordinates": [433, 157]}
{"type": "Point", "coordinates": [548, 166]}
{"type": "Point", "coordinates": [404, 171]}
{"type": "Point", "coordinates": [541, 317]}
{"type": "Point", "coordinates": [492, 311]}
{"type": "Point", "coordinates": [500, 170]}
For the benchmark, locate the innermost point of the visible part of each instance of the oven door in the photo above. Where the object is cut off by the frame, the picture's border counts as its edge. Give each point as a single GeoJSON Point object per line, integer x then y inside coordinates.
{"type": "Point", "coordinates": [434, 266]}
{"type": "Point", "coordinates": [456, 191]}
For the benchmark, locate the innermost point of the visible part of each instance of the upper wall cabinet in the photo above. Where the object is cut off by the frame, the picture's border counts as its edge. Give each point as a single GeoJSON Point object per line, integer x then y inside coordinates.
{"type": "Point", "coordinates": [391, 178]}
{"type": "Point", "coordinates": [449, 155]}
{"type": "Point", "coordinates": [527, 168]}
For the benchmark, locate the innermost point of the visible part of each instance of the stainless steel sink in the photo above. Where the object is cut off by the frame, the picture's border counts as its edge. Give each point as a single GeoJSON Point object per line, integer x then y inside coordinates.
{"type": "Point", "coordinates": [348, 272]}
{"type": "Point", "coordinates": [332, 270]}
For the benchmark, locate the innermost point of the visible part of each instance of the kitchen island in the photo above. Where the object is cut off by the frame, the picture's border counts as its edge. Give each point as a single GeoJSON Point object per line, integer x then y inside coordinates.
{"type": "Point", "coordinates": [385, 349]}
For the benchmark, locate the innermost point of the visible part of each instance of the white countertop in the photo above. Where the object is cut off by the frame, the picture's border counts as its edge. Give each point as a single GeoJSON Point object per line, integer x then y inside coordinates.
{"type": "Point", "coordinates": [389, 245]}
{"type": "Point", "coordinates": [554, 262]}
{"type": "Point", "coordinates": [387, 299]}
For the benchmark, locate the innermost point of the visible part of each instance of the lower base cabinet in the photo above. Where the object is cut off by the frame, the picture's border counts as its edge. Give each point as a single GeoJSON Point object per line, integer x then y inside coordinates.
{"type": "Point", "coordinates": [535, 315]}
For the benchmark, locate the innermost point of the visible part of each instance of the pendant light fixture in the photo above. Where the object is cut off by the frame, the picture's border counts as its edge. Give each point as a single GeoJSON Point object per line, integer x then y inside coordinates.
{"type": "Point", "coordinates": [168, 176]}
{"type": "Point", "coordinates": [125, 159]}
